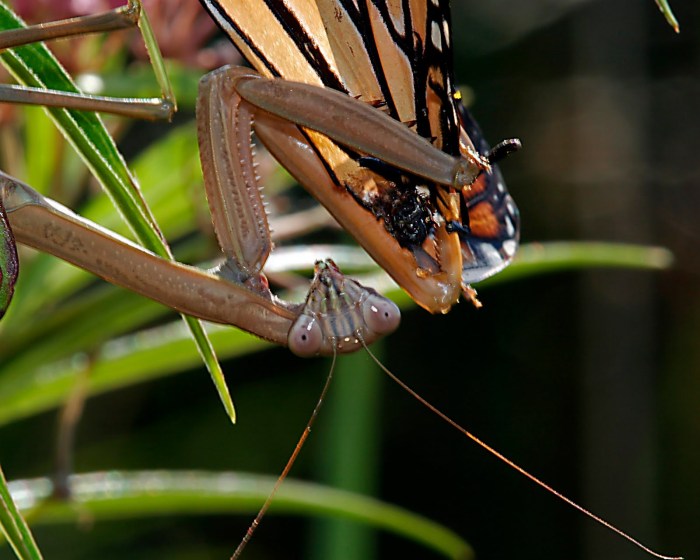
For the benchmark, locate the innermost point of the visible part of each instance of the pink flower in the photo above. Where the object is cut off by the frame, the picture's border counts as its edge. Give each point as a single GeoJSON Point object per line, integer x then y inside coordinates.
{"type": "Point", "coordinates": [49, 10]}
{"type": "Point", "coordinates": [182, 27]}
{"type": "Point", "coordinates": [184, 30]}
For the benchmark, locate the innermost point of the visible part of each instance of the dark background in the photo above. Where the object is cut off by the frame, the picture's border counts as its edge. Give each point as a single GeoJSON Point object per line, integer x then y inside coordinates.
{"type": "Point", "coordinates": [588, 379]}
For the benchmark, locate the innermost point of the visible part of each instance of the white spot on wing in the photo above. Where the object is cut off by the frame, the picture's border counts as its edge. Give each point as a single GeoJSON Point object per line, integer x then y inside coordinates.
{"type": "Point", "coordinates": [446, 33]}
{"type": "Point", "coordinates": [509, 247]}
{"type": "Point", "coordinates": [423, 191]}
{"type": "Point", "coordinates": [436, 36]}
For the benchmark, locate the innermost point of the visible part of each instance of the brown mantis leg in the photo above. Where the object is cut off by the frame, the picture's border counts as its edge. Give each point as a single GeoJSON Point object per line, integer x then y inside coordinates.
{"type": "Point", "coordinates": [347, 121]}
{"type": "Point", "coordinates": [119, 18]}
{"type": "Point", "coordinates": [50, 227]}
{"type": "Point", "coordinates": [338, 310]}
{"type": "Point", "coordinates": [46, 225]}
{"type": "Point", "coordinates": [238, 294]}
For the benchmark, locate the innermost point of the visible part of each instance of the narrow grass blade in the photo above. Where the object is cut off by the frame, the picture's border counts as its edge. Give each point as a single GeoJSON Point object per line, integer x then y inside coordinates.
{"type": "Point", "coordinates": [14, 527]}
{"type": "Point", "coordinates": [35, 66]}
{"type": "Point", "coordinates": [156, 58]}
{"type": "Point", "coordinates": [543, 258]}
{"type": "Point", "coordinates": [665, 8]}
{"type": "Point", "coordinates": [27, 387]}
{"type": "Point", "coordinates": [118, 495]}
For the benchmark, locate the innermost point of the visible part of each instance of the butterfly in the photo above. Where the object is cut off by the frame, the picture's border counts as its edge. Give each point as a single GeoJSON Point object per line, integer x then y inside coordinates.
{"type": "Point", "coordinates": [396, 56]}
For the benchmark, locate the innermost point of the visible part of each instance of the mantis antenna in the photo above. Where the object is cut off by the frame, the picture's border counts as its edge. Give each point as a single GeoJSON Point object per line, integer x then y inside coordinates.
{"type": "Point", "coordinates": [292, 458]}
{"type": "Point", "coordinates": [513, 465]}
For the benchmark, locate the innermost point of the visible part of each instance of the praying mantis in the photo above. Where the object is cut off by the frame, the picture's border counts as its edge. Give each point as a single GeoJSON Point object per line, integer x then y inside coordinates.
{"type": "Point", "coordinates": [339, 315]}
{"type": "Point", "coordinates": [434, 267]}
{"type": "Point", "coordinates": [469, 231]}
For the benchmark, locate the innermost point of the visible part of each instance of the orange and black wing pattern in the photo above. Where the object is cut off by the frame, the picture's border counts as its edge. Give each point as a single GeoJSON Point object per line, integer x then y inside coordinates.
{"type": "Point", "coordinates": [395, 55]}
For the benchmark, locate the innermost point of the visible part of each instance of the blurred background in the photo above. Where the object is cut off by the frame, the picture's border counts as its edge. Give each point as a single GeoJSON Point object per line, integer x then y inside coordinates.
{"type": "Point", "coordinates": [587, 379]}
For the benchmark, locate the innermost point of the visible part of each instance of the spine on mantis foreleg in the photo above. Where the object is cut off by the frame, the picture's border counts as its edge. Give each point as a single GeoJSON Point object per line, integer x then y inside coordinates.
{"type": "Point", "coordinates": [230, 178]}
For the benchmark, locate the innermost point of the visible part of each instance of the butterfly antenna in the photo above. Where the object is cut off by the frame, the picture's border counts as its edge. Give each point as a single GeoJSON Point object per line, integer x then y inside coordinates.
{"type": "Point", "coordinates": [292, 458]}
{"type": "Point", "coordinates": [510, 463]}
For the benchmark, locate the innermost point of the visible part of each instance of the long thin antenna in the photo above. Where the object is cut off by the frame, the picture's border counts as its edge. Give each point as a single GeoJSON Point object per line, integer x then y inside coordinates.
{"type": "Point", "coordinates": [510, 463]}
{"type": "Point", "coordinates": [305, 434]}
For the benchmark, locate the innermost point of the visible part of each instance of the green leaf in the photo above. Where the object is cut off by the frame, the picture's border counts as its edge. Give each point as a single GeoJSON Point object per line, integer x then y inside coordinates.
{"type": "Point", "coordinates": [38, 381]}
{"type": "Point", "coordinates": [118, 495]}
{"type": "Point", "coordinates": [352, 451]}
{"type": "Point", "coordinates": [14, 527]}
{"type": "Point", "coordinates": [544, 258]}
{"type": "Point", "coordinates": [668, 14]}
{"type": "Point", "coordinates": [123, 362]}
{"type": "Point", "coordinates": [34, 65]}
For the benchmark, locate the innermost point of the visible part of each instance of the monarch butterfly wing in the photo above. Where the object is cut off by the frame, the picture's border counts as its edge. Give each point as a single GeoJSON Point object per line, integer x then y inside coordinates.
{"type": "Point", "coordinates": [488, 221]}
{"type": "Point", "coordinates": [369, 50]}
{"type": "Point", "coordinates": [276, 40]}
{"type": "Point", "coordinates": [413, 41]}
{"type": "Point", "coordinates": [395, 55]}
{"type": "Point", "coordinates": [493, 220]}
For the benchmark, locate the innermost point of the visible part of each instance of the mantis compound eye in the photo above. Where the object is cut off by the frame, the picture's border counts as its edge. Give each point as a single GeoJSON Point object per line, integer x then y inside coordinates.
{"type": "Point", "coordinates": [381, 315]}
{"type": "Point", "coordinates": [305, 337]}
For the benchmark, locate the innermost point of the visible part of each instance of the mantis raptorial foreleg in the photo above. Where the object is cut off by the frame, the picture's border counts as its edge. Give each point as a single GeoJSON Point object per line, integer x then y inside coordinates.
{"type": "Point", "coordinates": [238, 294]}
{"type": "Point", "coordinates": [242, 297]}
{"type": "Point", "coordinates": [285, 111]}
{"type": "Point", "coordinates": [50, 227]}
